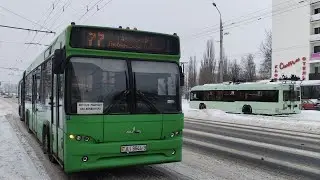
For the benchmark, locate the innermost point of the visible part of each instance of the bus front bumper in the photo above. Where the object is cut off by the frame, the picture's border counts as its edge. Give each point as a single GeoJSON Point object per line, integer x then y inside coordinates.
{"type": "Point", "coordinates": [85, 157]}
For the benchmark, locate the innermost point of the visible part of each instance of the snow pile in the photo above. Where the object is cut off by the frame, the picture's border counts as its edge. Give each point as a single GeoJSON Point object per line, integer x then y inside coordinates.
{"type": "Point", "coordinates": [14, 160]}
{"type": "Point", "coordinates": [307, 121]}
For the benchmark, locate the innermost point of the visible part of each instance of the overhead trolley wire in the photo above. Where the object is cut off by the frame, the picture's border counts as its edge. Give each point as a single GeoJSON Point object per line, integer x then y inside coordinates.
{"type": "Point", "coordinates": [33, 22]}
{"type": "Point", "coordinates": [211, 29]}
{"type": "Point", "coordinates": [250, 20]}
{"type": "Point", "coordinates": [90, 9]}
{"type": "Point", "coordinates": [25, 50]}
{"type": "Point", "coordinates": [103, 6]}
{"type": "Point", "coordinates": [26, 29]}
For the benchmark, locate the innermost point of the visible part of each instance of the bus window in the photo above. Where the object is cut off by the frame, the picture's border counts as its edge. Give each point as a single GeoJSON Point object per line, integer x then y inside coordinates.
{"type": "Point", "coordinates": [310, 92]}
{"type": "Point", "coordinates": [196, 96]}
{"type": "Point", "coordinates": [219, 95]}
{"type": "Point", "coordinates": [193, 96]}
{"type": "Point", "coordinates": [228, 96]}
{"type": "Point", "coordinates": [212, 95]}
{"type": "Point", "coordinates": [295, 96]}
{"type": "Point", "coordinates": [257, 96]}
{"type": "Point", "coordinates": [270, 96]}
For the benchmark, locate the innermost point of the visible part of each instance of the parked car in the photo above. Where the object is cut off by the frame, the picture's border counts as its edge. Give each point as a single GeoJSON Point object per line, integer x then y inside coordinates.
{"type": "Point", "coordinates": [7, 96]}
{"type": "Point", "coordinates": [308, 104]}
{"type": "Point", "coordinates": [318, 106]}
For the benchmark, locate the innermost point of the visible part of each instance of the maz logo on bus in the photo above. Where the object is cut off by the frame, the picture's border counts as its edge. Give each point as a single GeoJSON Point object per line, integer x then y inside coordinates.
{"type": "Point", "coordinates": [290, 63]}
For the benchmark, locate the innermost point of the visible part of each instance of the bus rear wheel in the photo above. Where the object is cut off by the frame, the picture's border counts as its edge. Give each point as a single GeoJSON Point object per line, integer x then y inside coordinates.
{"type": "Point", "coordinates": [20, 113]}
{"type": "Point", "coordinates": [202, 106]}
{"type": "Point", "coordinates": [247, 109]}
{"type": "Point", "coordinates": [28, 121]}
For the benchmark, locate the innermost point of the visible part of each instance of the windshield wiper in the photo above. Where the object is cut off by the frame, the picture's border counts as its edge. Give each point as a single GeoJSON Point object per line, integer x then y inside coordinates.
{"type": "Point", "coordinates": [148, 102]}
{"type": "Point", "coordinates": [116, 100]}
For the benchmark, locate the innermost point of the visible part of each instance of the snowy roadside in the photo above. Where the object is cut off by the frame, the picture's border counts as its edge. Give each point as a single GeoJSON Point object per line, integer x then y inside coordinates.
{"type": "Point", "coordinates": [15, 160]}
{"type": "Point", "coordinates": [307, 121]}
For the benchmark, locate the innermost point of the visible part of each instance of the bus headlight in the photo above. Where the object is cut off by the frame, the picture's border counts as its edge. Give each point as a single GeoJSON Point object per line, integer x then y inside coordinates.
{"type": "Point", "coordinates": [81, 138]}
{"type": "Point", "coordinates": [71, 136]}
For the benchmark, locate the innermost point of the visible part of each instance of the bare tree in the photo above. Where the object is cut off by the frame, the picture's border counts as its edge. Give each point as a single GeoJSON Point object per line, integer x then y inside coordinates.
{"type": "Point", "coordinates": [226, 69]}
{"type": "Point", "coordinates": [192, 72]}
{"type": "Point", "coordinates": [234, 71]}
{"type": "Point", "coordinates": [208, 65]}
{"type": "Point", "coordinates": [249, 68]}
{"type": "Point", "coordinates": [266, 51]}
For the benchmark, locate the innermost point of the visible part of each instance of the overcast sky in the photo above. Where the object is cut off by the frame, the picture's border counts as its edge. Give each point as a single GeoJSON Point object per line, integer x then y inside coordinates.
{"type": "Point", "coordinates": [195, 21]}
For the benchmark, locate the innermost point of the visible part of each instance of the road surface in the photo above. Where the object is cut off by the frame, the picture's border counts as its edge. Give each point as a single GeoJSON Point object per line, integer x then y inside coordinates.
{"type": "Point", "coordinates": [198, 162]}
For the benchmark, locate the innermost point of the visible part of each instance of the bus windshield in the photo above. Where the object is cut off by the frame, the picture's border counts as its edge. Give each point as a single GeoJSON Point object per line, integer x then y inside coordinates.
{"type": "Point", "coordinates": [158, 81]}
{"type": "Point", "coordinates": [95, 80]}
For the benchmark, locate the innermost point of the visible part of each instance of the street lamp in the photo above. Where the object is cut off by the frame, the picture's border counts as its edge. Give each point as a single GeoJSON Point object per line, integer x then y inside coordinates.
{"type": "Point", "coordinates": [221, 46]}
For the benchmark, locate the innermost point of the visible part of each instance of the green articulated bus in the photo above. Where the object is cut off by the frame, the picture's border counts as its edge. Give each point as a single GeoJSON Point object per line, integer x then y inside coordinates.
{"type": "Point", "coordinates": [102, 97]}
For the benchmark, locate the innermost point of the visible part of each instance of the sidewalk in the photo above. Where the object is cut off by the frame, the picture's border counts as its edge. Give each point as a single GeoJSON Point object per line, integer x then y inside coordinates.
{"type": "Point", "coordinates": [15, 163]}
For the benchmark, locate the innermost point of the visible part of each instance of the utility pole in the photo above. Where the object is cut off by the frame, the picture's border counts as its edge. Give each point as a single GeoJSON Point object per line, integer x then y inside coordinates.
{"type": "Point", "coordinates": [221, 47]}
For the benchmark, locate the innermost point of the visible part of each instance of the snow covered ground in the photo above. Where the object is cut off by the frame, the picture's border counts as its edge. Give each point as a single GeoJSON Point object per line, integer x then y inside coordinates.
{"type": "Point", "coordinates": [15, 163]}
{"type": "Point", "coordinates": [307, 121]}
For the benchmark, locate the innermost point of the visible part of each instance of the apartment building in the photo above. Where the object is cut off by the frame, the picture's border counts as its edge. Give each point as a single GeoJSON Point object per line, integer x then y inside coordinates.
{"type": "Point", "coordinates": [296, 38]}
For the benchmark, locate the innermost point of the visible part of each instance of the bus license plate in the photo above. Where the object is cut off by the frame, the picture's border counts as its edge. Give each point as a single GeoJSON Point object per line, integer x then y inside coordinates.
{"type": "Point", "coordinates": [133, 148]}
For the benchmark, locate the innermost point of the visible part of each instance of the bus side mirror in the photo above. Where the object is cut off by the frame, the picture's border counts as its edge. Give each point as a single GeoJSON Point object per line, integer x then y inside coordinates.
{"type": "Point", "coordinates": [181, 76]}
{"type": "Point", "coordinates": [58, 61]}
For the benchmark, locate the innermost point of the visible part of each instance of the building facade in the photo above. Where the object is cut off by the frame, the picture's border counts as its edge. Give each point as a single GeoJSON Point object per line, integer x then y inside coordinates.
{"type": "Point", "coordinates": [296, 39]}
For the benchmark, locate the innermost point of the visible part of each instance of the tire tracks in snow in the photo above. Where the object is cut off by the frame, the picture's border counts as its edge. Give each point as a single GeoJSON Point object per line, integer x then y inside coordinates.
{"type": "Point", "coordinates": [55, 172]}
{"type": "Point", "coordinates": [274, 147]}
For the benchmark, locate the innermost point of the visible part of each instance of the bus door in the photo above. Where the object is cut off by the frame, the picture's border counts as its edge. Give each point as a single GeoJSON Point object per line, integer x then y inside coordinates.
{"type": "Point", "coordinates": [55, 116]}
{"type": "Point", "coordinates": [34, 102]}
{"type": "Point", "coordinates": [23, 94]}
{"type": "Point", "coordinates": [57, 125]}
{"type": "Point", "coordinates": [293, 98]}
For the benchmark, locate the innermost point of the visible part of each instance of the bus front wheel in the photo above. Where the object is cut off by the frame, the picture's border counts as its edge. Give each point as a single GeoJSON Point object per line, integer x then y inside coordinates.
{"type": "Point", "coordinates": [46, 143]}
{"type": "Point", "coordinates": [247, 109]}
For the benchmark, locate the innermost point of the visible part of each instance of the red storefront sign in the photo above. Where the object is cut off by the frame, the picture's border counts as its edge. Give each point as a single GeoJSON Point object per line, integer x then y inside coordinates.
{"type": "Point", "coordinates": [284, 65]}
{"type": "Point", "coordinates": [289, 64]}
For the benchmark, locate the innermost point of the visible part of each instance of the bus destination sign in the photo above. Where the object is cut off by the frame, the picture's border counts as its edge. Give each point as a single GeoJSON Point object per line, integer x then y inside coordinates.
{"type": "Point", "coordinates": [123, 40]}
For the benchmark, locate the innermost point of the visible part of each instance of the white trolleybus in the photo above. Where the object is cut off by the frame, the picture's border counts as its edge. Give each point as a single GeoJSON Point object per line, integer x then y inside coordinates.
{"type": "Point", "coordinates": [268, 98]}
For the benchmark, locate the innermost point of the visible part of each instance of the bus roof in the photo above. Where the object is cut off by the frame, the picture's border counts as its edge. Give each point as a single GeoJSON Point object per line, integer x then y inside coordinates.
{"type": "Point", "coordinates": [244, 86]}
{"type": "Point", "coordinates": [61, 39]}
{"type": "Point", "coordinates": [310, 83]}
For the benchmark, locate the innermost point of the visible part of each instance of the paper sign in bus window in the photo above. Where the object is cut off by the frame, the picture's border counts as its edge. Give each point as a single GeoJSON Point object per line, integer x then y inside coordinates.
{"type": "Point", "coordinates": [89, 108]}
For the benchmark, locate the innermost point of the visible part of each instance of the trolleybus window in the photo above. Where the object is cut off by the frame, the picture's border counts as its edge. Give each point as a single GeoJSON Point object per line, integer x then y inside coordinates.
{"type": "Point", "coordinates": [295, 96]}
{"type": "Point", "coordinates": [234, 95]}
